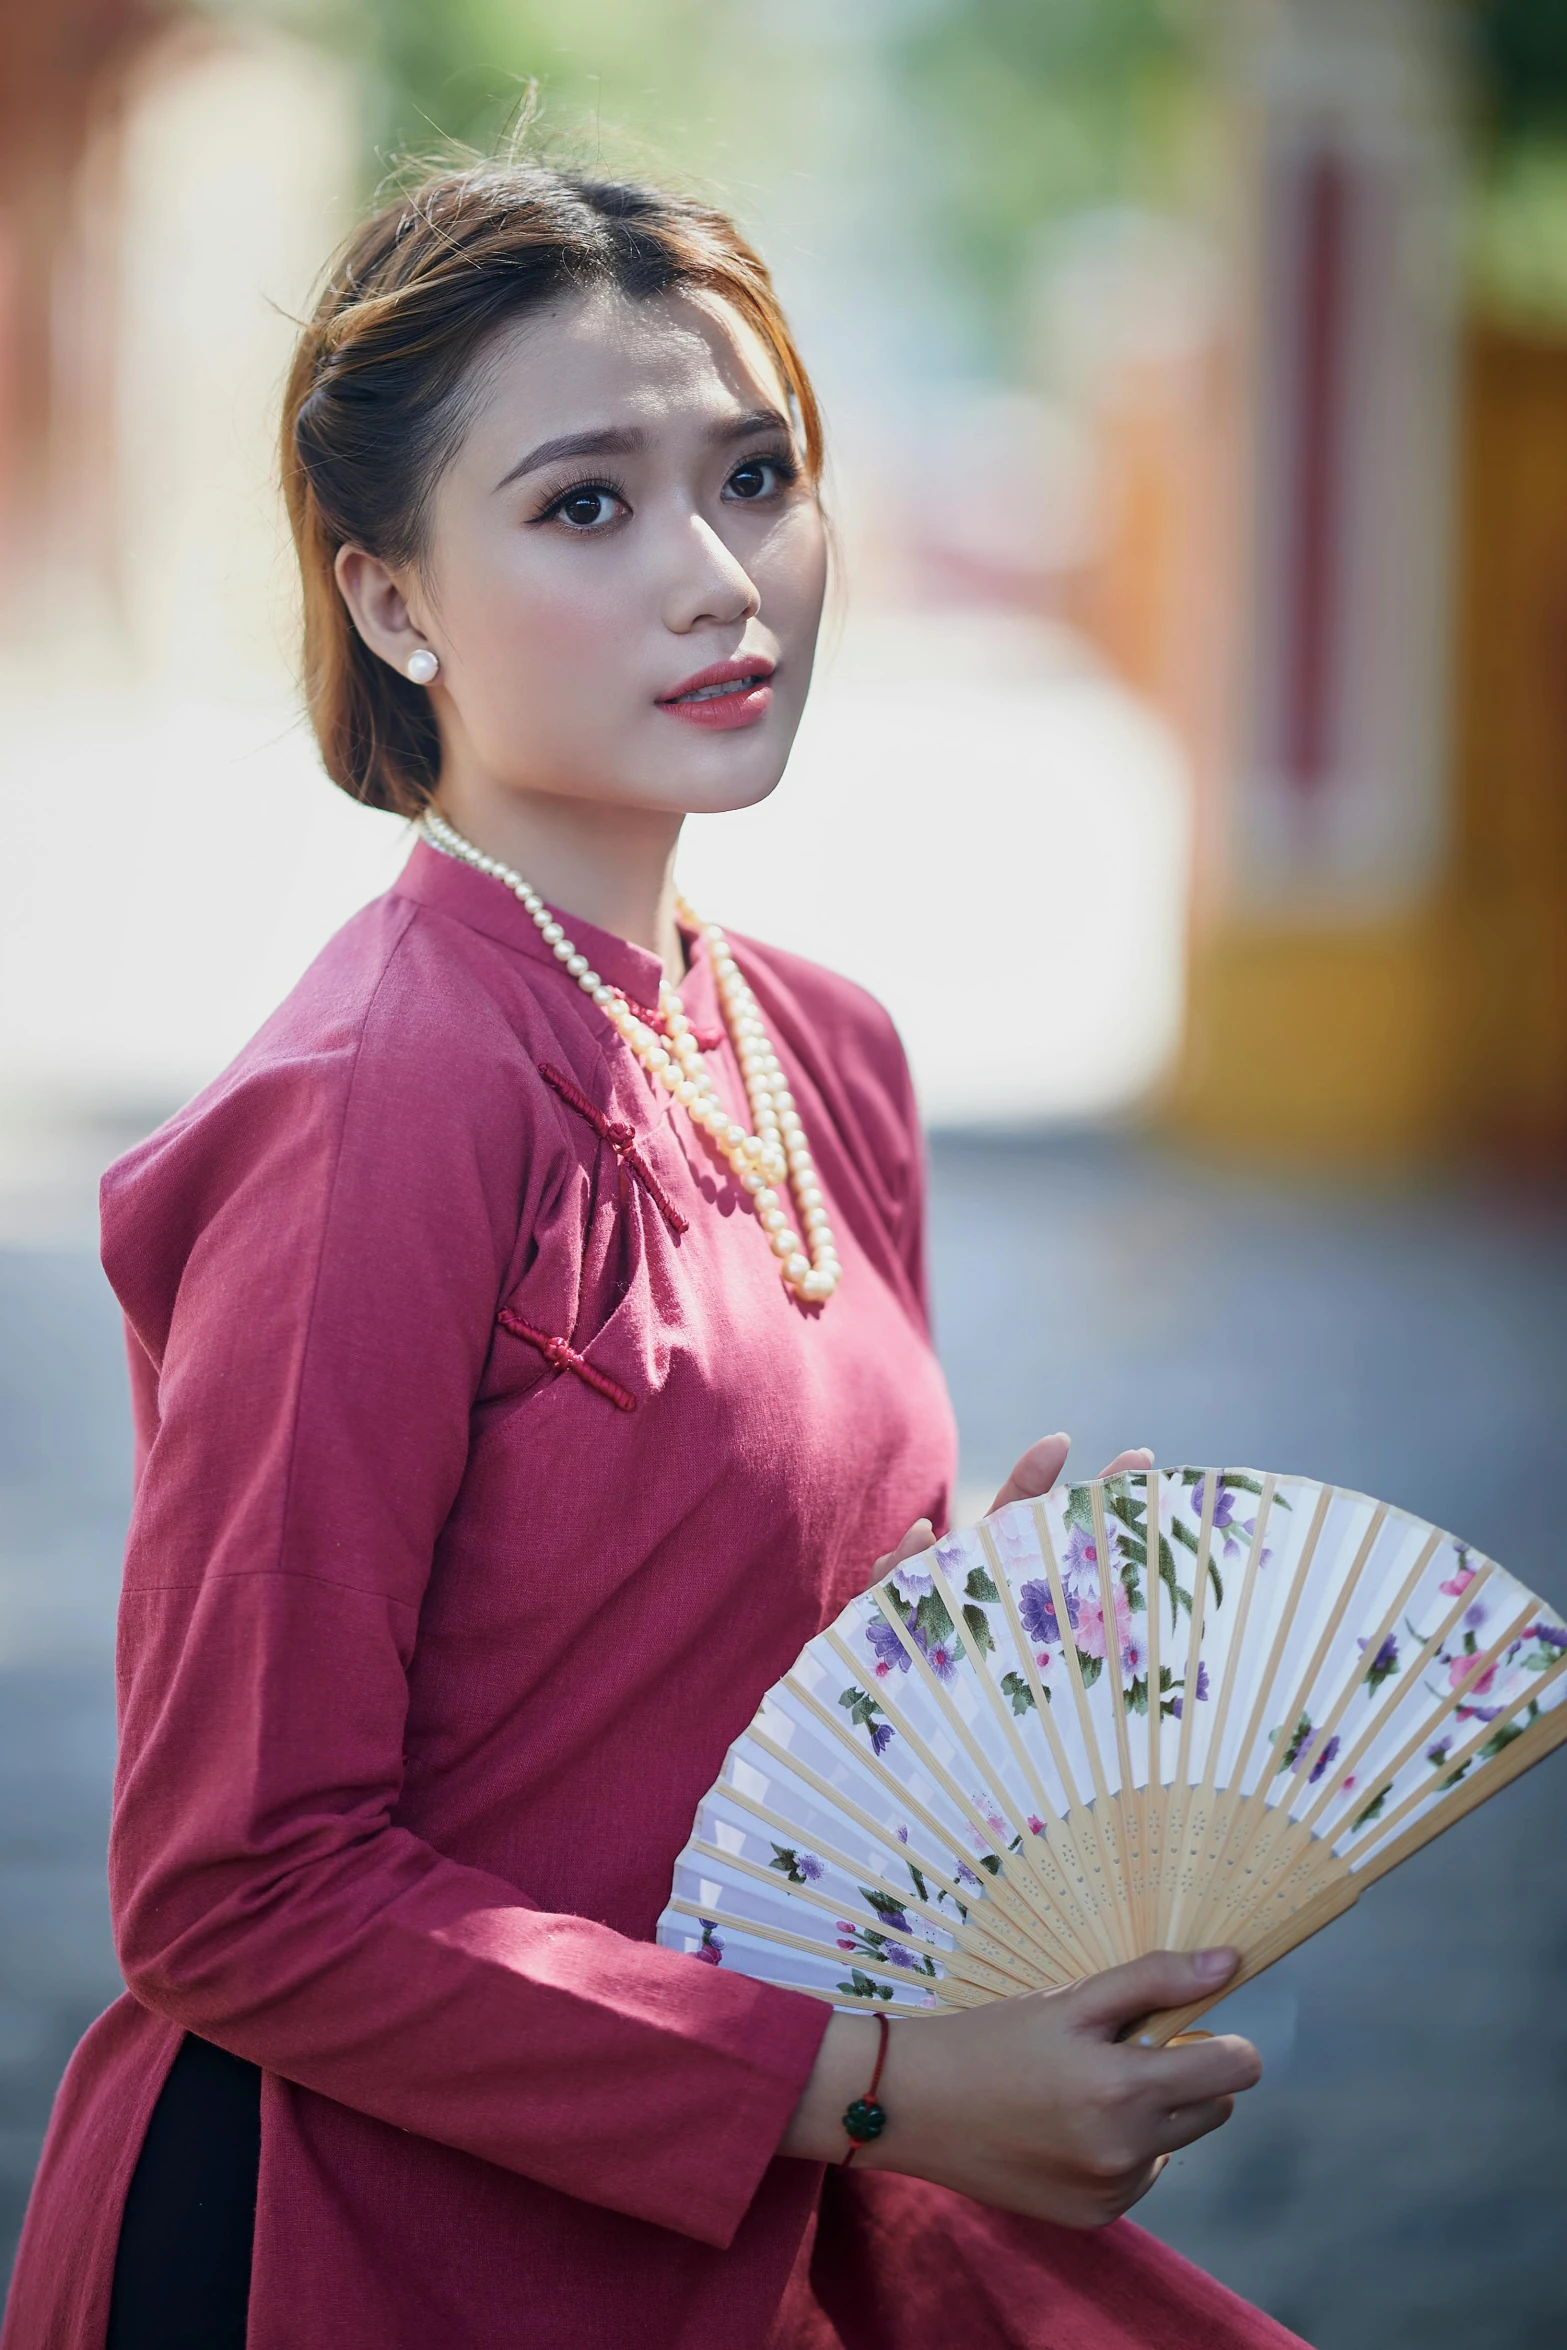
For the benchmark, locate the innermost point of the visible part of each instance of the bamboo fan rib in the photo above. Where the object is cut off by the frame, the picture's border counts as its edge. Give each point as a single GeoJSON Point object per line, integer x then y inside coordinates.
{"type": "Point", "coordinates": [1147, 1713]}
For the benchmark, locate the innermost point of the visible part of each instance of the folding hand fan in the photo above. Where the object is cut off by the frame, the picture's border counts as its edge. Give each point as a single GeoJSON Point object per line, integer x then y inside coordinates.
{"type": "Point", "coordinates": [1153, 1712]}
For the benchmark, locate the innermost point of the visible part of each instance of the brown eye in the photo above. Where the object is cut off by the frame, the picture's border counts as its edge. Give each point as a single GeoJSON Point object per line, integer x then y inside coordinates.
{"type": "Point", "coordinates": [759, 477]}
{"type": "Point", "coordinates": [588, 508]}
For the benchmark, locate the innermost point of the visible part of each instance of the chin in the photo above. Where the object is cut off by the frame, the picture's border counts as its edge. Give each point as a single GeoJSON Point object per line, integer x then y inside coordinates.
{"type": "Point", "coordinates": [734, 775]}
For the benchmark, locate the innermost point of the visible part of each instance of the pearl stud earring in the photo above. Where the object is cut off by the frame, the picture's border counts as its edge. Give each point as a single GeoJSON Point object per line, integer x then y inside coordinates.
{"type": "Point", "coordinates": [423, 665]}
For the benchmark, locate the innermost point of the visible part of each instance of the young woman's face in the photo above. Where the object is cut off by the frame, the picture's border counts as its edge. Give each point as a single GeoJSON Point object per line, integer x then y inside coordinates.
{"type": "Point", "coordinates": [626, 562]}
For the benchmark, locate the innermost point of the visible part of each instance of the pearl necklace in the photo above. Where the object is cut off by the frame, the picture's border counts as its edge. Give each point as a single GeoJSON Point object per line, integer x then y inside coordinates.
{"type": "Point", "coordinates": [762, 1159]}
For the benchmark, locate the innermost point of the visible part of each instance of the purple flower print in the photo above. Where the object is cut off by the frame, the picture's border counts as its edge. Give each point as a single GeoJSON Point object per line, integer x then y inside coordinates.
{"type": "Point", "coordinates": [894, 1955]}
{"type": "Point", "coordinates": [1324, 1761]}
{"type": "Point", "coordinates": [915, 1581]}
{"type": "Point", "coordinates": [1552, 1635]}
{"type": "Point", "coordinates": [1223, 1516]}
{"type": "Point", "coordinates": [886, 1647]}
{"type": "Point", "coordinates": [1475, 1616]}
{"type": "Point", "coordinates": [1200, 1692]}
{"type": "Point", "coordinates": [881, 1736]}
{"type": "Point", "coordinates": [810, 1868]}
{"type": "Point", "coordinates": [965, 1874]}
{"type": "Point", "coordinates": [1383, 1664]}
{"type": "Point", "coordinates": [903, 1835]}
{"type": "Point", "coordinates": [1037, 1610]}
{"type": "Point", "coordinates": [712, 1950]}
{"type": "Point", "coordinates": [939, 1655]}
{"type": "Point", "coordinates": [1081, 1563]}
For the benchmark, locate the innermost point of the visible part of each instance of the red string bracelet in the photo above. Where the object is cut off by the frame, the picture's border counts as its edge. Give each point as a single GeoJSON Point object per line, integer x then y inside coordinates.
{"type": "Point", "coordinates": [865, 2119]}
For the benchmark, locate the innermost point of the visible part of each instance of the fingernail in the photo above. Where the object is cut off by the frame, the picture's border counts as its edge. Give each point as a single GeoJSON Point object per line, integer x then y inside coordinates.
{"type": "Point", "coordinates": [1214, 1965]}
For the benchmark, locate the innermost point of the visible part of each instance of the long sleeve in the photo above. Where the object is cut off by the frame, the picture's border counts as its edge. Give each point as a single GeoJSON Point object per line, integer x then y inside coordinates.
{"type": "Point", "coordinates": [311, 1262]}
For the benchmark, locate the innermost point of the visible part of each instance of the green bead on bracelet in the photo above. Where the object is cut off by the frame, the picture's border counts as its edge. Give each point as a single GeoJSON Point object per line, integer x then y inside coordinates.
{"type": "Point", "coordinates": [865, 2119]}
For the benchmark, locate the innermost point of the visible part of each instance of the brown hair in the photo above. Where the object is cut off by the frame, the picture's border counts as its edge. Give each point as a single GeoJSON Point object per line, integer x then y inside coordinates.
{"type": "Point", "coordinates": [381, 391]}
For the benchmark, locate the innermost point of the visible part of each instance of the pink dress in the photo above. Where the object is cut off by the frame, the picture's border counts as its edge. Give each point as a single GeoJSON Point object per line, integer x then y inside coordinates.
{"type": "Point", "coordinates": [487, 1476]}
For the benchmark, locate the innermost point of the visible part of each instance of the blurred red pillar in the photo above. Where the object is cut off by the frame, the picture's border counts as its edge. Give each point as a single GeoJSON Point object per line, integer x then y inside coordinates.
{"type": "Point", "coordinates": [62, 66]}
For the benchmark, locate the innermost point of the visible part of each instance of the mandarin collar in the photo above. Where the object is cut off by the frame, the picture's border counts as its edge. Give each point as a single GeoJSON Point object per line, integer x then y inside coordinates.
{"type": "Point", "coordinates": [485, 904]}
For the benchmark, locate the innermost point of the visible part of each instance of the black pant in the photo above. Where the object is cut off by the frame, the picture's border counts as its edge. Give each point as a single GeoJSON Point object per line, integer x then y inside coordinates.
{"type": "Point", "coordinates": [182, 2272]}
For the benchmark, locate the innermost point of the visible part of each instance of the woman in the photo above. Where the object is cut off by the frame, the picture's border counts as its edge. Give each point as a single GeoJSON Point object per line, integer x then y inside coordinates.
{"type": "Point", "coordinates": [510, 1415]}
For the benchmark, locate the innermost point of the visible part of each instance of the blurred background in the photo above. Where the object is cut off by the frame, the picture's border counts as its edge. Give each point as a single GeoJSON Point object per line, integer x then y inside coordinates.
{"type": "Point", "coordinates": [1189, 769]}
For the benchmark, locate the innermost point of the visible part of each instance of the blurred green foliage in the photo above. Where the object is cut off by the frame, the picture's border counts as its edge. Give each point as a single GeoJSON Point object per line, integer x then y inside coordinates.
{"type": "Point", "coordinates": [1028, 109]}
{"type": "Point", "coordinates": [1521, 49]}
{"type": "Point", "coordinates": [974, 122]}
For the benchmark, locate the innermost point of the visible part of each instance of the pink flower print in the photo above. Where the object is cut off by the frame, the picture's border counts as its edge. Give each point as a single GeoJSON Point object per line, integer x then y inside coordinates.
{"type": "Point", "coordinates": [1458, 1582]}
{"type": "Point", "coordinates": [1458, 1670]}
{"type": "Point", "coordinates": [1043, 1660]}
{"type": "Point", "coordinates": [1346, 1786]}
{"type": "Point", "coordinates": [1036, 1826]}
{"type": "Point", "coordinates": [1091, 1629]}
{"type": "Point", "coordinates": [991, 1817]}
{"type": "Point", "coordinates": [844, 1928]}
{"type": "Point", "coordinates": [712, 1950]}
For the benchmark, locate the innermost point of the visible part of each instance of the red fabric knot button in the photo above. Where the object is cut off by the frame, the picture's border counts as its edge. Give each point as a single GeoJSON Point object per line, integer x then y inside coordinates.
{"type": "Point", "coordinates": [561, 1356]}
{"type": "Point", "coordinates": [622, 1141]}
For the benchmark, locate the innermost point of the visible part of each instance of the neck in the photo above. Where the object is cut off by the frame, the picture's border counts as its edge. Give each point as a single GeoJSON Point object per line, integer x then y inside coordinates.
{"type": "Point", "coordinates": [613, 867]}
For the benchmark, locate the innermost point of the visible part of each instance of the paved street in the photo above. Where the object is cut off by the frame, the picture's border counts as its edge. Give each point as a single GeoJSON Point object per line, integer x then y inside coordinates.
{"type": "Point", "coordinates": [1397, 2180]}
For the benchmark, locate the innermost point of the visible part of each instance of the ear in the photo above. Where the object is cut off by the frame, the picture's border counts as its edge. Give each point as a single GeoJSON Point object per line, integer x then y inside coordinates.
{"type": "Point", "coordinates": [378, 606]}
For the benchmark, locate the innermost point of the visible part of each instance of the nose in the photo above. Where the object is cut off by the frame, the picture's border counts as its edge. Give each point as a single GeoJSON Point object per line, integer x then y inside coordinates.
{"type": "Point", "coordinates": [710, 585]}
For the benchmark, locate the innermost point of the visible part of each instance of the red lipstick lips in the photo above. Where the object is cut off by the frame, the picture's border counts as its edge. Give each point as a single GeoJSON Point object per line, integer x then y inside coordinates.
{"type": "Point", "coordinates": [729, 694]}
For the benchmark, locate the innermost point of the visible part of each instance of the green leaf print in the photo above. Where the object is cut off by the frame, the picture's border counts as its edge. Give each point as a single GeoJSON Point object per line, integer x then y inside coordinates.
{"type": "Point", "coordinates": [978, 1628]}
{"type": "Point", "coordinates": [860, 1986]}
{"type": "Point", "coordinates": [980, 1586]}
{"type": "Point", "coordinates": [1017, 1689]}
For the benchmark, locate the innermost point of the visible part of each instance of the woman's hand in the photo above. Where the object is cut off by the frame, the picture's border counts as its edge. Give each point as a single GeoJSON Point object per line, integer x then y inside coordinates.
{"type": "Point", "coordinates": [1034, 1474]}
{"type": "Point", "coordinates": [1032, 2104]}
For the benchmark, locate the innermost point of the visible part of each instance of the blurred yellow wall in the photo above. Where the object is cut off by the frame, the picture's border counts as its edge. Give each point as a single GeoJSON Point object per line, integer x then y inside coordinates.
{"type": "Point", "coordinates": [1444, 1029]}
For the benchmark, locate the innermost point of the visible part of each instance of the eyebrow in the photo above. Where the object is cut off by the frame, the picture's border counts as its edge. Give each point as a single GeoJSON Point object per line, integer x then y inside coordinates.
{"type": "Point", "coordinates": [629, 441]}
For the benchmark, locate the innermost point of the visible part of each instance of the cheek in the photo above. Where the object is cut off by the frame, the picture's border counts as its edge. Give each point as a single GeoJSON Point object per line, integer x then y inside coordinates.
{"type": "Point", "coordinates": [536, 613]}
{"type": "Point", "coordinates": [790, 570]}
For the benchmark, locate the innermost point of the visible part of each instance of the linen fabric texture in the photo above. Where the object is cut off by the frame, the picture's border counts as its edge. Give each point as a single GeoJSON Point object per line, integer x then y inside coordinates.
{"type": "Point", "coordinates": [477, 1504]}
